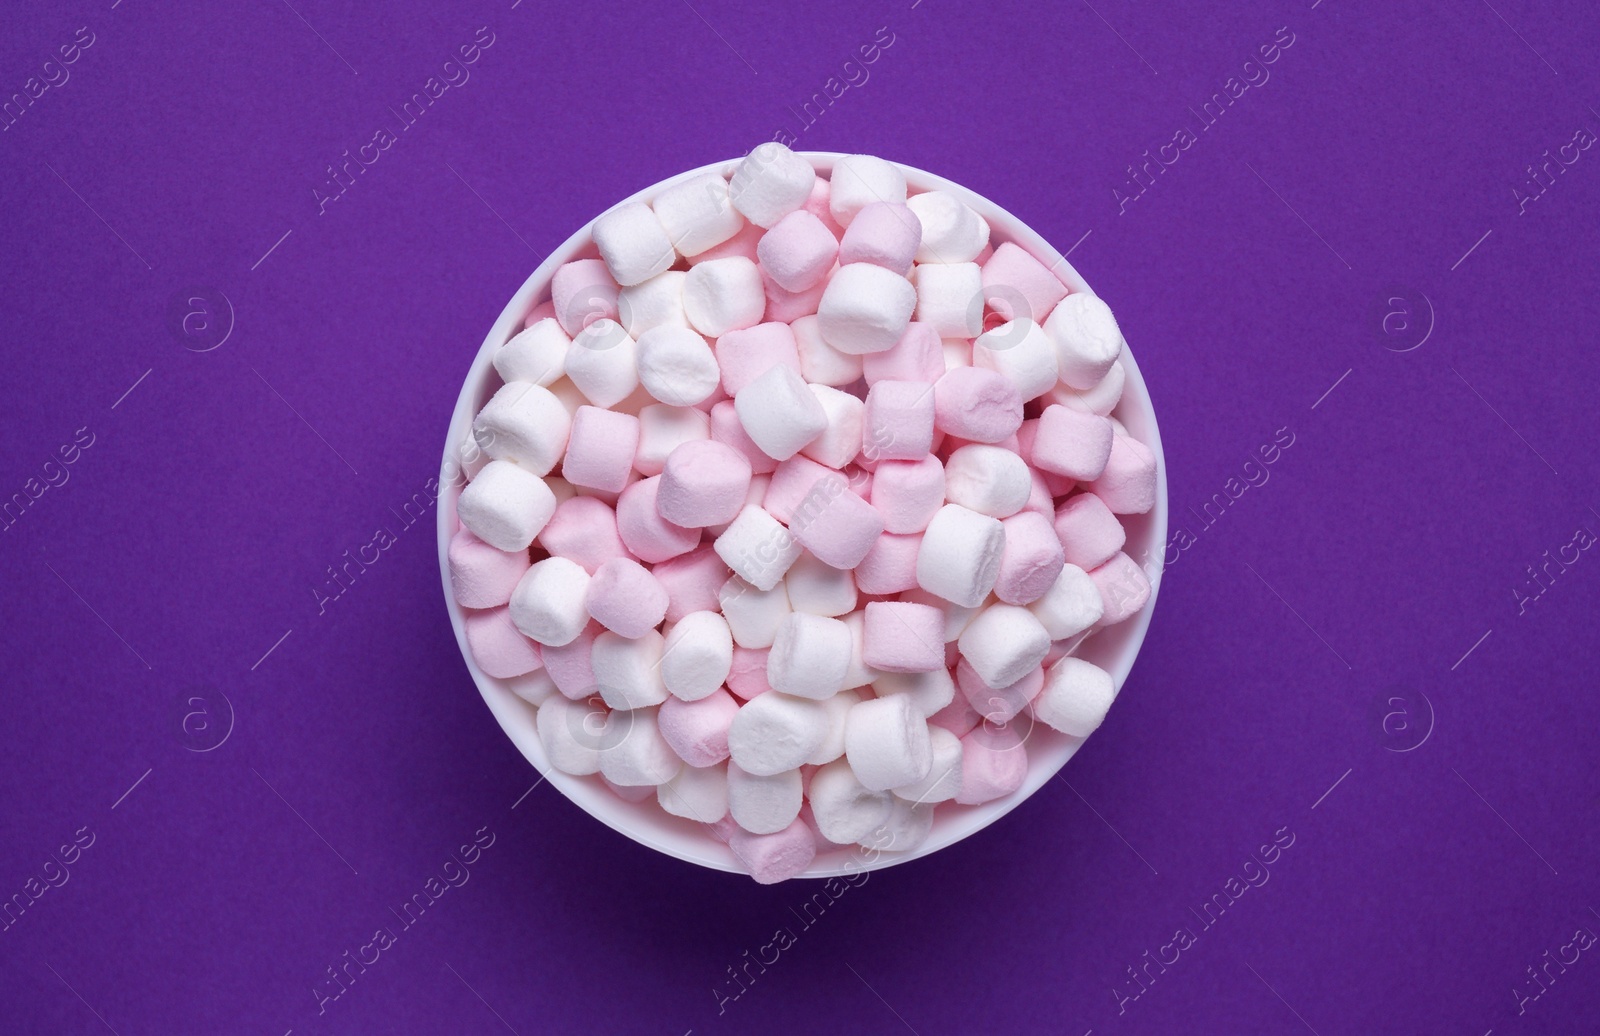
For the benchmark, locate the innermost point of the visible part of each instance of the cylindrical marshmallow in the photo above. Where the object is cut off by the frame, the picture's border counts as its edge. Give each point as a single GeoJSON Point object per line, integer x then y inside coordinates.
{"type": "Point", "coordinates": [994, 764]}
{"type": "Point", "coordinates": [951, 231]}
{"type": "Point", "coordinates": [840, 440]}
{"type": "Point", "coordinates": [537, 353]}
{"type": "Point", "coordinates": [1090, 533]}
{"type": "Point", "coordinates": [901, 637]}
{"type": "Point", "coordinates": [1031, 560]}
{"type": "Point", "coordinates": [818, 588]}
{"type": "Point", "coordinates": [991, 480]}
{"type": "Point", "coordinates": [628, 670]}
{"type": "Point", "coordinates": [865, 308]}
{"type": "Point", "coordinates": [697, 214]}
{"type": "Point", "coordinates": [1015, 284]}
{"type": "Point", "coordinates": [482, 576]}
{"type": "Point", "coordinates": [838, 709]}
{"type": "Point", "coordinates": [929, 692]}
{"type": "Point", "coordinates": [676, 365]}
{"type": "Point", "coordinates": [883, 233]}
{"type": "Point", "coordinates": [753, 615]}
{"type": "Point", "coordinates": [1072, 443]}
{"type": "Point", "coordinates": [887, 744]}
{"type": "Point", "coordinates": [525, 423]}
{"type": "Point", "coordinates": [632, 751]}
{"type": "Point", "coordinates": [723, 295]}
{"type": "Point", "coordinates": [810, 654]}
{"type": "Point", "coordinates": [959, 557]}
{"type": "Point", "coordinates": [950, 299]}
{"type": "Point", "coordinates": [698, 730]}
{"type": "Point", "coordinates": [1002, 643]}
{"type": "Point", "coordinates": [625, 598]}
{"type": "Point", "coordinates": [780, 413]}
{"type": "Point", "coordinates": [898, 421]}
{"type": "Point", "coordinates": [601, 449]}
{"type": "Point", "coordinates": [977, 405]}
{"type": "Point", "coordinates": [943, 781]}
{"type": "Point", "coordinates": [696, 793]}
{"type": "Point", "coordinates": [570, 733]}
{"type": "Point", "coordinates": [775, 857]}
{"type": "Point", "coordinates": [1128, 483]}
{"type": "Point", "coordinates": [998, 704]}
{"type": "Point", "coordinates": [821, 363]}
{"type": "Point", "coordinates": [1071, 605]}
{"type": "Point", "coordinates": [757, 547]}
{"type": "Point", "coordinates": [648, 536]}
{"type": "Point", "coordinates": [860, 180]}
{"type": "Point", "coordinates": [582, 292]}
{"type": "Point", "coordinates": [584, 530]}
{"type": "Point", "coordinates": [798, 251]}
{"type": "Point", "coordinates": [549, 601]}
{"type": "Point", "coordinates": [1022, 352]}
{"type": "Point", "coordinates": [603, 363]}
{"type": "Point", "coordinates": [1124, 588]}
{"type": "Point", "coordinates": [770, 183]}
{"type": "Point", "coordinates": [497, 645]}
{"type": "Point", "coordinates": [697, 655]}
{"type": "Point", "coordinates": [844, 809]}
{"type": "Point", "coordinates": [775, 732]}
{"type": "Point", "coordinates": [633, 243]}
{"type": "Point", "coordinates": [1075, 698]}
{"type": "Point", "coordinates": [1087, 339]}
{"type": "Point", "coordinates": [703, 482]}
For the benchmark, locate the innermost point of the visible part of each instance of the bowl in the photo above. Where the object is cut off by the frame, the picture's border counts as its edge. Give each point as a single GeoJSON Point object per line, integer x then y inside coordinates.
{"type": "Point", "coordinates": [1113, 649]}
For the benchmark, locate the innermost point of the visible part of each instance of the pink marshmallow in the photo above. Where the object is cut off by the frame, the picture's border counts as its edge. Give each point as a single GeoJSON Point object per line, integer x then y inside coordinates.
{"type": "Point", "coordinates": [1040, 498]}
{"type": "Point", "coordinates": [917, 356]}
{"type": "Point", "coordinates": [742, 244]}
{"type": "Point", "coordinates": [1090, 534]}
{"type": "Point", "coordinates": [899, 421]}
{"type": "Point", "coordinates": [482, 576]}
{"type": "Point", "coordinates": [817, 205]}
{"type": "Point", "coordinates": [978, 405]}
{"type": "Point", "coordinates": [791, 483]}
{"type": "Point", "coordinates": [838, 527]}
{"type": "Point", "coordinates": [582, 292]}
{"type": "Point", "coordinates": [776, 857]}
{"type": "Point", "coordinates": [994, 764]}
{"type": "Point", "coordinates": [748, 677]}
{"type": "Point", "coordinates": [1123, 587]}
{"type": "Point", "coordinates": [650, 537]}
{"type": "Point", "coordinates": [726, 428]}
{"type": "Point", "coordinates": [543, 311]}
{"type": "Point", "coordinates": [901, 637]}
{"type": "Point", "coordinates": [883, 233]}
{"type": "Point", "coordinates": [1128, 483]}
{"type": "Point", "coordinates": [908, 493]}
{"type": "Point", "coordinates": [583, 530]}
{"type": "Point", "coordinates": [786, 306]}
{"type": "Point", "coordinates": [497, 645]}
{"type": "Point", "coordinates": [570, 668]}
{"type": "Point", "coordinates": [692, 581]}
{"type": "Point", "coordinates": [958, 717]}
{"type": "Point", "coordinates": [1012, 276]}
{"type": "Point", "coordinates": [601, 449]}
{"type": "Point", "coordinates": [698, 730]}
{"type": "Point", "coordinates": [1072, 443]}
{"type": "Point", "coordinates": [798, 251]}
{"type": "Point", "coordinates": [625, 598]}
{"type": "Point", "coordinates": [704, 482]}
{"type": "Point", "coordinates": [746, 354]}
{"type": "Point", "coordinates": [1031, 560]}
{"type": "Point", "coordinates": [890, 567]}
{"type": "Point", "coordinates": [998, 704]}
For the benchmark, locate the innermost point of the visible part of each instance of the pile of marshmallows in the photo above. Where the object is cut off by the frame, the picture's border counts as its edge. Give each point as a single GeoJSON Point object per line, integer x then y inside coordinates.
{"type": "Point", "coordinates": [772, 529]}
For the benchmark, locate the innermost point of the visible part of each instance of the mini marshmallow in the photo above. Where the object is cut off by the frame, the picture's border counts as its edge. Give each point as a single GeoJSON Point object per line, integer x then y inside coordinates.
{"type": "Point", "coordinates": [548, 603]}
{"type": "Point", "coordinates": [633, 243]}
{"type": "Point", "coordinates": [809, 657]}
{"type": "Point", "coordinates": [959, 558]}
{"type": "Point", "coordinates": [741, 244]}
{"type": "Point", "coordinates": [757, 548]}
{"type": "Point", "coordinates": [628, 670]}
{"type": "Point", "coordinates": [657, 302]}
{"type": "Point", "coordinates": [726, 428]}
{"type": "Point", "coordinates": [865, 308]}
{"type": "Point", "coordinates": [1031, 560]}
{"type": "Point", "coordinates": [601, 449]}
{"type": "Point", "coordinates": [745, 355]}
{"type": "Point", "coordinates": [569, 732]}
{"type": "Point", "coordinates": [908, 493]}
{"type": "Point", "coordinates": [821, 363]}
{"type": "Point", "coordinates": [505, 506]}
{"type": "Point", "coordinates": [753, 615]}
{"type": "Point", "coordinates": [1124, 588]}
{"type": "Point", "coordinates": [764, 804]}
{"type": "Point", "coordinates": [584, 530]}
{"type": "Point", "coordinates": [859, 181]}
{"type": "Point", "coordinates": [582, 292]}
{"type": "Point", "coordinates": [988, 479]}
{"type": "Point", "coordinates": [838, 709]}
{"type": "Point", "coordinates": [844, 809]}
{"type": "Point", "coordinates": [929, 692]}
{"type": "Point", "coordinates": [603, 363]}
{"type": "Point", "coordinates": [569, 665]}
{"type": "Point", "coordinates": [838, 527]}
{"type": "Point", "coordinates": [482, 576]}
{"type": "Point", "coordinates": [943, 781]}
{"type": "Point", "coordinates": [1090, 533]}
{"type": "Point", "coordinates": [887, 744]}
{"type": "Point", "coordinates": [637, 794]}
{"type": "Point", "coordinates": [890, 566]}
{"type": "Point", "coordinates": [994, 764]}
{"type": "Point", "coordinates": [536, 687]}
{"type": "Point", "coordinates": [998, 704]}
{"type": "Point", "coordinates": [780, 413]}
{"type": "Point", "coordinates": [900, 637]}
{"type": "Point", "coordinates": [1015, 284]}
{"type": "Point", "coordinates": [798, 251]}
{"type": "Point", "coordinates": [698, 730]}
{"type": "Point", "coordinates": [648, 536]}
{"type": "Point", "coordinates": [951, 231]}
{"type": "Point", "coordinates": [958, 717]}
{"type": "Point", "coordinates": [676, 365]}
{"type": "Point", "coordinates": [857, 673]}
{"type": "Point", "coordinates": [748, 675]}
{"type": "Point", "coordinates": [899, 419]}
{"type": "Point", "coordinates": [697, 214]}
{"type": "Point", "coordinates": [723, 295]}
{"type": "Point", "coordinates": [1002, 643]}
{"type": "Point", "coordinates": [793, 484]}
{"type": "Point", "coordinates": [917, 356]}
{"type": "Point", "coordinates": [776, 732]}
{"type": "Point", "coordinates": [537, 354]}
{"type": "Point", "coordinates": [703, 482]}
{"type": "Point", "coordinates": [770, 183]}
{"type": "Point", "coordinates": [497, 645]}
{"type": "Point", "coordinates": [950, 299]}
{"type": "Point", "coordinates": [1022, 352]}
{"type": "Point", "coordinates": [633, 753]}
{"type": "Point", "coordinates": [625, 598]}
{"type": "Point", "coordinates": [817, 588]}
{"type": "Point", "coordinates": [909, 825]}
{"type": "Point", "coordinates": [1072, 443]}
{"type": "Point", "coordinates": [956, 616]}
{"type": "Point", "coordinates": [662, 429]}
{"type": "Point", "coordinates": [1087, 339]}
{"type": "Point", "coordinates": [692, 581]}
{"type": "Point", "coordinates": [525, 423]}
{"type": "Point", "coordinates": [785, 306]}
{"type": "Point", "coordinates": [1102, 399]}
{"type": "Point", "coordinates": [1075, 698]}
{"type": "Point", "coordinates": [696, 657]}
{"type": "Point", "coordinates": [696, 793]}
{"type": "Point", "coordinates": [977, 405]}
{"type": "Point", "coordinates": [1128, 483]}
{"type": "Point", "coordinates": [840, 441]}
{"type": "Point", "coordinates": [1070, 606]}
{"type": "Point", "coordinates": [776, 857]}
{"type": "Point", "coordinates": [885, 234]}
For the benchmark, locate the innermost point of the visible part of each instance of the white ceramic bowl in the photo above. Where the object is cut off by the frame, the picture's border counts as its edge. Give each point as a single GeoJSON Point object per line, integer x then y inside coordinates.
{"type": "Point", "coordinates": [1113, 649]}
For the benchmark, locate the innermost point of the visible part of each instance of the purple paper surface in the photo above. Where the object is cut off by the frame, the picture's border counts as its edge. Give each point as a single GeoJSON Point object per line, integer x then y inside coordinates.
{"type": "Point", "coordinates": [1377, 247]}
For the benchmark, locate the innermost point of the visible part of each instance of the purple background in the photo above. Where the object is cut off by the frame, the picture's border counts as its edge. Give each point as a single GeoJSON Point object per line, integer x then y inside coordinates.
{"type": "Point", "coordinates": [1373, 575]}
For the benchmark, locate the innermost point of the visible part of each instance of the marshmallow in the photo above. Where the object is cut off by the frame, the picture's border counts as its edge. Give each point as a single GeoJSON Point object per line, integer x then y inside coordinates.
{"type": "Point", "coordinates": [753, 615]}
{"type": "Point", "coordinates": [505, 506]}
{"type": "Point", "coordinates": [838, 709]}
{"type": "Point", "coordinates": [776, 857]}
{"type": "Point", "coordinates": [676, 365]}
{"type": "Point", "coordinates": [1090, 533]}
{"type": "Point", "coordinates": [770, 183]}
{"type": "Point", "coordinates": [776, 732]}
{"type": "Point", "coordinates": [647, 535]}
{"type": "Point", "coordinates": [951, 231]}
{"type": "Point", "coordinates": [957, 353]}
{"type": "Point", "coordinates": [536, 687]}
{"type": "Point", "coordinates": [692, 581]}
{"type": "Point", "coordinates": [1124, 588]}
{"type": "Point", "coordinates": [890, 566]}
{"type": "Point", "coordinates": [757, 548]}
{"type": "Point", "coordinates": [929, 692]}
{"type": "Point", "coordinates": [628, 670]}
{"type": "Point", "coordinates": [657, 302]}
{"type": "Point", "coordinates": [860, 180]}
{"type": "Point", "coordinates": [569, 665]}
{"type": "Point", "coordinates": [844, 809]}
{"type": "Point", "coordinates": [1102, 399]}
{"type": "Point", "coordinates": [1070, 606]}
{"type": "Point", "coordinates": [1072, 443]}
{"type": "Point", "coordinates": [950, 299]}
{"type": "Point", "coordinates": [988, 479]}
{"type": "Point", "coordinates": [696, 793]}
{"type": "Point", "coordinates": [538, 354]}
{"type": "Point", "coordinates": [633, 243]}
{"type": "Point", "coordinates": [525, 423]}
{"type": "Point", "coordinates": [857, 673]}
{"type": "Point", "coordinates": [632, 751]}
{"type": "Point", "coordinates": [780, 413]}
{"type": "Point", "coordinates": [625, 598]}
{"type": "Point", "coordinates": [696, 657]}
{"type": "Point", "coordinates": [630, 794]}
{"type": "Point", "coordinates": [726, 428]}
{"type": "Point", "coordinates": [745, 355]}
{"type": "Point", "coordinates": [958, 717]}
{"type": "Point", "coordinates": [885, 234]}
{"type": "Point", "coordinates": [662, 429]}
{"type": "Point", "coordinates": [977, 405]}
{"type": "Point", "coordinates": [899, 420]}
{"type": "Point", "coordinates": [723, 295]}
{"type": "Point", "coordinates": [569, 732]}
{"type": "Point", "coordinates": [993, 765]}
{"type": "Point", "coordinates": [601, 449]}
{"type": "Point", "coordinates": [1022, 352]}
{"type": "Point", "coordinates": [786, 306]}
{"type": "Point", "coordinates": [497, 645]}
{"type": "Point", "coordinates": [797, 485]}
{"type": "Point", "coordinates": [584, 530]}
{"type": "Point", "coordinates": [1031, 560]}
{"type": "Point", "coordinates": [698, 730]}
{"type": "Point", "coordinates": [959, 558]}
{"type": "Point", "coordinates": [603, 363]}
{"type": "Point", "coordinates": [817, 588]}
{"type": "Point", "coordinates": [821, 363]}
{"type": "Point", "coordinates": [809, 657]}
{"type": "Point", "coordinates": [582, 292]}
{"type": "Point", "coordinates": [838, 527]}
{"type": "Point", "coordinates": [1087, 339]}
{"type": "Point", "coordinates": [549, 601]}
{"type": "Point", "coordinates": [840, 441]}
{"type": "Point", "coordinates": [998, 704]}
{"type": "Point", "coordinates": [742, 244]}
{"type": "Point", "coordinates": [1128, 483]}
{"type": "Point", "coordinates": [697, 214]}
{"type": "Point", "coordinates": [703, 482]}
{"type": "Point", "coordinates": [1015, 284]}
{"type": "Point", "coordinates": [1002, 643]}
{"type": "Point", "coordinates": [917, 356]}
{"type": "Point", "coordinates": [798, 251]}
{"type": "Point", "coordinates": [909, 825]}
{"type": "Point", "coordinates": [865, 308]}
{"type": "Point", "coordinates": [901, 637]}
{"type": "Point", "coordinates": [748, 676]}
{"type": "Point", "coordinates": [908, 493]}
{"type": "Point", "coordinates": [1075, 698]}
{"type": "Point", "coordinates": [943, 781]}
{"type": "Point", "coordinates": [764, 804]}
{"type": "Point", "coordinates": [482, 576]}
{"type": "Point", "coordinates": [887, 744]}
{"type": "Point", "coordinates": [956, 616]}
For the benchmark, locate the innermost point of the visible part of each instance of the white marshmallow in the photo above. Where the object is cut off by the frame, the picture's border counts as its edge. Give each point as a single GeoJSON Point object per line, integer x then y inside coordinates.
{"type": "Point", "coordinates": [1101, 400]}
{"type": "Point", "coordinates": [950, 299]}
{"type": "Point", "coordinates": [633, 753]}
{"type": "Point", "coordinates": [860, 180]}
{"type": "Point", "coordinates": [506, 506]}
{"type": "Point", "coordinates": [943, 781]}
{"type": "Point", "coordinates": [664, 428]}
{"type": "Point", "coordinates": [908, 826]}
{"type": "Point", "coordinates": [697, 214]}
{"type": "Point", "coordinates": [628, 672]}
{"type": "Point", "coordinates": [603, 363]}
{"type": "Point", "coordinates": [633, 243]}
{"type": "Point", "coordinates": [887, 744]}
{"type": "Point", "coordinates": [959, 557]}
{"type": "Point", "coordinates": [770, 183]}
{"type": "Point", "coordinates": [570, 733]}
{"type": "Point", "coordinates": [537, 353]}
{"type": "Point", "coordinates": [809, 656]}
{"type": "Point", "coordinates": [818, 588]}
{"type": "Point", "coordinates": [951, 231]}
{"type": "Point", "coordinates": [1075, 698]}
{"type": "Point", "coordinates": [535, 688]}
{"type": "Point", "coordinates": [838, 708]}
{"type": "Point", "coordinates": [1087, 339]}
{"type": "Point", "coordinates": [677, 366]}
{"type": "Point", "coordinates": [865, 308]}
{"type": "Point", "coordinates": [1020, 350]}
{"type": "Point", "coordinates": [840, 441]}
{"type": "Point", "coordinates": [764, 804]}
{"type": "Point", "coordinates": [821, 363]}
{"type": "Point", "coordinates": [929, 692]}
{"type": "Point", "coordinates": [774, 732]}
{"type": "Point", "coordinates": [697, 793]}
{"type": "Point", "coordinates": [722, 295]}
{"type": "Point", "coordinates": [1071, 605]}
{"type": "Point", "coordinates": [757, 547]}
{"type": "Point", "coordinates": [525, 423]}
{"type": "Point", "coordinates": [753, 615]}
{"type": "Point", "coordinates": [548, 605]}
{"type": "Point", "coordinates": [780, 413]}
{"type": "Point", "coordinates": [657, 302]}
{"type": "Point", "coordinates": [845, 811]}
{"type": "Point", "coordinates": [1003, 644]}
{"type": "Point", "coordinates": [697, 655]}
{"type": "Point", "coordinates": [990, 480]}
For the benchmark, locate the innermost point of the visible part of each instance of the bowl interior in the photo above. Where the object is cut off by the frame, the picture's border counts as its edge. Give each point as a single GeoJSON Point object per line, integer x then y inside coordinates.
{"type": "Point", "coordinates": [1113, 649]}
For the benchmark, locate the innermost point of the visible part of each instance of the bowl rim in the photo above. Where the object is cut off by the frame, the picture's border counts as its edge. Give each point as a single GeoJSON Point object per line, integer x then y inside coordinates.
{"type": "Point", "coordinates": [692, 842]}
